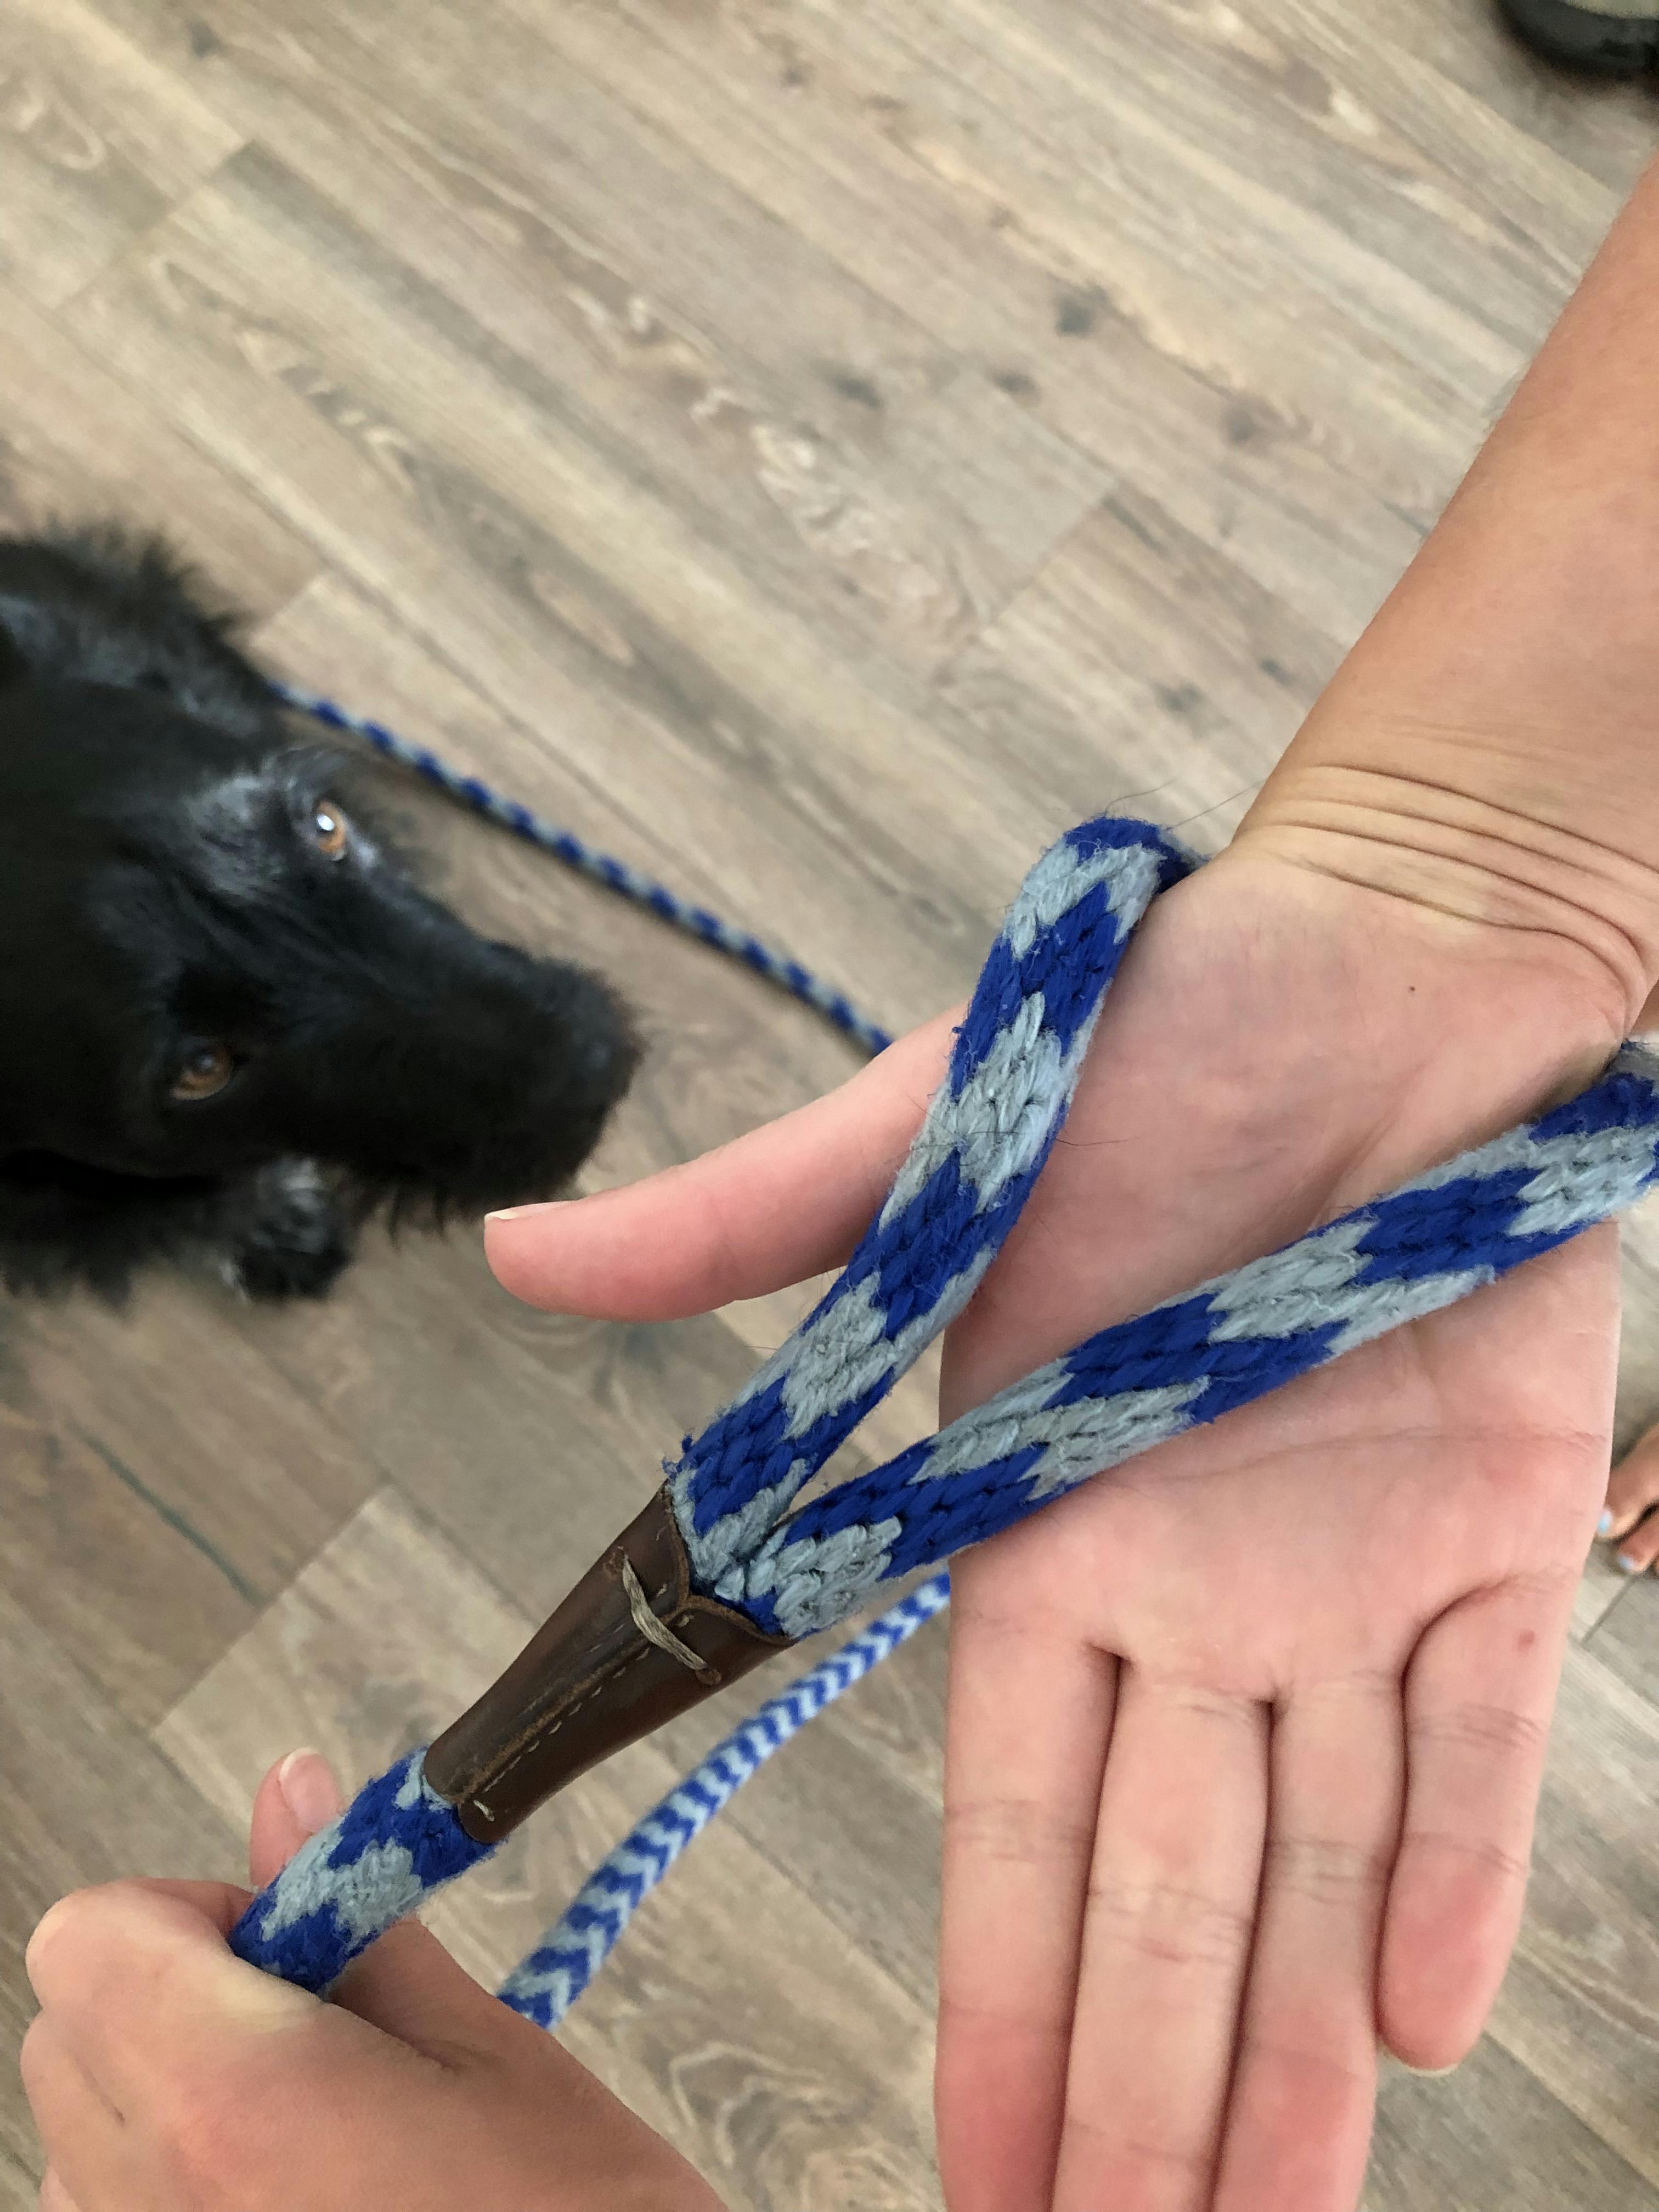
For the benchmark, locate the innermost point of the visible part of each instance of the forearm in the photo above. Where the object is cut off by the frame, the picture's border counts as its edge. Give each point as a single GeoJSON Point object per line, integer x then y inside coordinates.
{"type": "Point", "coordinates": [1490, 747]}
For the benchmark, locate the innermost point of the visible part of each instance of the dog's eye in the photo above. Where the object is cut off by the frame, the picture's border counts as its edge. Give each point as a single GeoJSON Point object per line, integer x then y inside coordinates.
{"type": "Point", "coordinates": [330, 832]}
{"type": "Point", "coordinates": [204, 1072]}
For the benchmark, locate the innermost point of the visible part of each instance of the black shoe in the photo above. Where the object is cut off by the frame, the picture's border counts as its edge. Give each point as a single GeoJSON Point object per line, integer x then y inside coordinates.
{"type": "Point", "coordinates": [1618, 37]}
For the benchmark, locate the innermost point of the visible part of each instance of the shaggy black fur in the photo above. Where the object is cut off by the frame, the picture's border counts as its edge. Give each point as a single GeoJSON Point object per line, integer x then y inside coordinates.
{"type": "Point", "coordinates": [184, 902]}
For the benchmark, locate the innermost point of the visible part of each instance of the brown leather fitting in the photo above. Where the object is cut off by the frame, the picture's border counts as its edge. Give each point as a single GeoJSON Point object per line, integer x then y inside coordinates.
{"type": "Point", "coordinates": [591, 1678]}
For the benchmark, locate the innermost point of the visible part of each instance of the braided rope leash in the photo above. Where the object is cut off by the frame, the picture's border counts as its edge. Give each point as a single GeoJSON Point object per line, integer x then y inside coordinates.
{"type": "Point", "coordinates": [788, 1571]}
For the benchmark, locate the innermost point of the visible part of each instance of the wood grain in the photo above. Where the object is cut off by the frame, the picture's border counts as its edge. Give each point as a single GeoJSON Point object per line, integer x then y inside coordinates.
{"type": "Point", "coordinates": [469, 497]}
{"type": "Point", "coordinates": [1490, 2136]}
{"type": "Point", "coordinates": [1023, 287]}
{"type": "Point", "coordinates": [97, 141]}
{"type": "Point", "coordinates": [818, 452]}
{"type": "Point", "coordinates": [145, 1525]}
{"type": "Point", "coordinates": [1138, 645]}
{"type": "Point", "coordinates": [809, 424]}
{"type": "Point", "coordinates": [76, 443]}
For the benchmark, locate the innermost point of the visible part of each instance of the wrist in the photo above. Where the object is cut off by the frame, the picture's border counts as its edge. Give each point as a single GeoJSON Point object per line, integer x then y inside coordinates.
{"type": "Point", "coordinates": [1454, 832]}
{"type": "Point", "coordinates": [1422, 1029]}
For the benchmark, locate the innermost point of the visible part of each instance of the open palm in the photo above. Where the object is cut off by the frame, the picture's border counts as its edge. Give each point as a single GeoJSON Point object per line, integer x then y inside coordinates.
{"type": "Point", "coordinates": [1261, 1714]}
{"type": "Point", "coordinates": [1245, 1738]}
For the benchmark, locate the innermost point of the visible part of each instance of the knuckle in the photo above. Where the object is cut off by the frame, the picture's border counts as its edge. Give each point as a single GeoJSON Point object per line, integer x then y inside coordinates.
{"type": "Point", "coordinates": [1015, 1830]}
{"type": "Point", "coordinates": [1327, 1870]}
{"type": "Point", "coordinates": [60, 1927]}
{"type": "Point", "coordinates": [1326, 2072]}
{"type": "Point", "coordinates": [1471, 1726]}
{"type": "Point", "coordinates": [1482, 1853]}
{"type": "Point", "coordinates": [35, 2054]}
{"type": "Point", "coordinates": [1168, 1925]}
{"type": "Point", "coordinates": [69, 1933]}
{"type": "Point", "coordinates": [1199, 1701]}
{"type": "Point", "coordinates": [1001, 2027]}
{"type": "Point", "coordinates": [1360, 1687]}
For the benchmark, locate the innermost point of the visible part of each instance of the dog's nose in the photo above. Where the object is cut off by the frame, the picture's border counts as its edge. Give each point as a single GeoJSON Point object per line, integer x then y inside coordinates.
{"type": "Point", "coordinates": [601, 1050]}
{"type": "Point", "coordinates": [608, 1052]}
{"type": "Point", "coordinates": [599, 1061]}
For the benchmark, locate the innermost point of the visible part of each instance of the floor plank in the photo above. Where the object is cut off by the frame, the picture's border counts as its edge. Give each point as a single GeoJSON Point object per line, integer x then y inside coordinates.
{"type": "Point", "coordinates": [1022, 288]}
{"type": "Point", "coordinates": [1343, 116]}
{"type": "Point", "coordinates": [75, 443]}
{"type": "Point", "coordinates": [813, 428]}
{"type": "Point", "coordinates": [348, 389]}
{"type": "Point", "coordinates": [818, 452]}
{"type": "Point", "coordinates": [1136, 645]}
{"type": "Point", "coordinates": [96, 143]}
{"type": "Point", "coordinates": [1490, 2137]}
{"type": "Point", "coordinates": [148, 1524]}
{"type": "Point", "coordinates": [1605, 129]}
{"type": "Point", "coordinates": [19, 2187]}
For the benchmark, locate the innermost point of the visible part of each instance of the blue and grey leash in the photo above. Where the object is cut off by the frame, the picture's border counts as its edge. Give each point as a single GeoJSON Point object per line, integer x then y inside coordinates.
{"type": "Point", "coordinates": [789, 1570]}
{"type": "Point", "coordinates": [548, 1982]}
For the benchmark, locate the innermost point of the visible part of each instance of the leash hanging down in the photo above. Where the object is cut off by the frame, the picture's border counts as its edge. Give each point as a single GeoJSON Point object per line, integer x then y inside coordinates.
{"type": "Point", "coordinates": [723, 1568]}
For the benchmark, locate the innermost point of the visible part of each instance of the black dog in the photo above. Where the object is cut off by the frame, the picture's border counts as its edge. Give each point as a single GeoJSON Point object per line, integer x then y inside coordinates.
{"type": "Point", "coordinates": [231, 1026]}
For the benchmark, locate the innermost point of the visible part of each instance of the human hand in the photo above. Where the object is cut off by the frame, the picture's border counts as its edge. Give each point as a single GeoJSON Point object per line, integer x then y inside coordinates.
{"type": "Point", "coordinates": [1244, 1740]}
{"type": "Point", "coordinates": [164, 2073]}
{"type": "Point", "coordinates": [1630, 1520]}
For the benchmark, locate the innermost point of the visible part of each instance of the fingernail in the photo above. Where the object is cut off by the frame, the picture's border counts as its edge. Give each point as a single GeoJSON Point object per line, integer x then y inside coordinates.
{"type": "Point", "coordinates": [1604, 1526]}
{"type": "Point", "coordinates": [1629, 1566]}
{"type": "Point", "coordinates": [539, 1206]}
{"type": "Point", "coordinates": [308, 1789]}
{"type": "Point", "coordinates": [1423, 2073]}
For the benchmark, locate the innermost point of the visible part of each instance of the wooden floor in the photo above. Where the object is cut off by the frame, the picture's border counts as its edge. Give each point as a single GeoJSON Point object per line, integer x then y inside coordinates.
{"type": "Point", "coordinates": [819, 450]}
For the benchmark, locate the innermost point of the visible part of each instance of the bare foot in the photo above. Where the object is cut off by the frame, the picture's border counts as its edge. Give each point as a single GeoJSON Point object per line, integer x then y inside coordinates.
{"type": "Point", "coordinates": [1632, 1496]}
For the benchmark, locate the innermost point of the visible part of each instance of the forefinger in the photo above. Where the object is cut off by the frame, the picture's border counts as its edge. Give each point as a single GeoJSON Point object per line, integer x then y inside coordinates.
{"type": "Point", "coordinates": [786, 1200]}
{"type": "Point", "coordinates": [133, 1967]}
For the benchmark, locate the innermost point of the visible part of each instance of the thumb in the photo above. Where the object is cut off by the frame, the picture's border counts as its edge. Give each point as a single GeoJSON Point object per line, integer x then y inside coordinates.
{"type": "Point", "coordinates": [298, 1795]}
{"type": "Point", "coordinates": [406, 1984]}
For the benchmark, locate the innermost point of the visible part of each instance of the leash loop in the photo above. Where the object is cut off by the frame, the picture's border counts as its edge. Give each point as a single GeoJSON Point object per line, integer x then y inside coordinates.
{"type": "Point", "coordinates": [728, 1554]}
